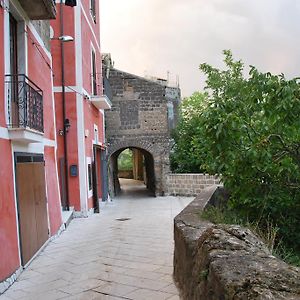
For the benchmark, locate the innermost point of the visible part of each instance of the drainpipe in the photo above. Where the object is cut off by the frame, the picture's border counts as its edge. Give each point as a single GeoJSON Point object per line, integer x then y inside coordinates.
{"type": "Point", "coordinates": [65, 120]}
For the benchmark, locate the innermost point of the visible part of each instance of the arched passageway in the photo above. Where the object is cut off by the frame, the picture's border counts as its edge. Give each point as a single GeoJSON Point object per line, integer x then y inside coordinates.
{"type": "Point", "coordinates": [131, 170]}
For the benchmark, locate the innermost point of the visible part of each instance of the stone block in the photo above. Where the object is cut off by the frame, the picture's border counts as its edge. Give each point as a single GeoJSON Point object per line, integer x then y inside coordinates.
{"type": "Point", "coordinates": [226, 261]}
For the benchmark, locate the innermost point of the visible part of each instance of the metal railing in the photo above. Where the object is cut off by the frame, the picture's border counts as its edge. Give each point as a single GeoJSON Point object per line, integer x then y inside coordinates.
{"type": "Point", "coordinates": [107, 88]}
{"type": "Point", "coordinates": [25, 103]}
{"type": "Point", "coordinates": [95, 83]}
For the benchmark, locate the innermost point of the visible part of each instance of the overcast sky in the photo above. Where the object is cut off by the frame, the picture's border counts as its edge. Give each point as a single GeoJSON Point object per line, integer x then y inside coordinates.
{"type": "Point", "coordinates": [152, 37]}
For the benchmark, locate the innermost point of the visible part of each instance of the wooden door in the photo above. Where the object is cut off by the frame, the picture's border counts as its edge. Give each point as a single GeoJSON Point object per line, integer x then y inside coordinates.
{"type": "Point", "coordinates": [32, 208]}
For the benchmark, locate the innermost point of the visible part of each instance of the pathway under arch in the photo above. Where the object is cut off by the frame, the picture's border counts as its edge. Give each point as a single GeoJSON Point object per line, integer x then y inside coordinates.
{"type": "Point", "coordinates": [143, 172]}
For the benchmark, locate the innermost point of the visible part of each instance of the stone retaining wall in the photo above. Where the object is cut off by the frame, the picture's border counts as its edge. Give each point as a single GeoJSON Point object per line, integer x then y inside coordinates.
{"type": "Point", "coordinates": [216, 262]}
{"type": "Point", "coordinates": [189, 184]}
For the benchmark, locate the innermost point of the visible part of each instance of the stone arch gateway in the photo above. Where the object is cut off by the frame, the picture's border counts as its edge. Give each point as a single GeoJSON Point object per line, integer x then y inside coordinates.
{"type": "Point", "coordinates": [147, 166]}
{"type": "Point", "coordinates": [142, 116]}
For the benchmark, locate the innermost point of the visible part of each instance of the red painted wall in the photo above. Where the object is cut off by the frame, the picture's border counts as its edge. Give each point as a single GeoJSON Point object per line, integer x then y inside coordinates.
{"type": "Point", "coordinates": [91, 40]}
{"type": "Point", "coordinates": [2, 109]}
{"type": "Point", "coordinates": [90, 35]}
{"type": "Point", "coordinates": [69, 47]}
{"type": "Point", "coordinates": [88, 27]}
{"type": "Point", "coordinates": [92, 116]}
{"type": "Point", "coordinates": [52, 190]}
{"type": "Point", "coordinates": [39, 71]}
{"type": "Point", "coordinates": [71, 140]}
{"type": "Point", "coordinates": [9, 257]}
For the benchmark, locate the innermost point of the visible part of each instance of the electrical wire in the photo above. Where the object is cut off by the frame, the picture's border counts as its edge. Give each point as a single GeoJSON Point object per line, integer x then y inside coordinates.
{"type": "Point", "coordinates": [83, 95]}
{"type": "Point", "coordinates": [37, 46]}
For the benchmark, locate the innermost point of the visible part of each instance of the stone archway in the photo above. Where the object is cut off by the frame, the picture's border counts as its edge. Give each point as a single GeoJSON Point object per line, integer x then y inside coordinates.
{"type": "Point", "coordinates": [153, 165]}
{"type": "Point", "coordinates": [142, 115]}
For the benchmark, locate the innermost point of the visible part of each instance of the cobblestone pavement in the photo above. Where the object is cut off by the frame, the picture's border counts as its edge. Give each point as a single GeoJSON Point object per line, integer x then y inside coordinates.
{"type": "Point", "coordinates": [125, 252]}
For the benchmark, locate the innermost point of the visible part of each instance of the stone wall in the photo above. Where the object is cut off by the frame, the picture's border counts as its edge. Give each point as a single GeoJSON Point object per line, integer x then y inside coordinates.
{"type": "Point", "coordinates": [140, 118]}
{"type": "Point", "coordinates": [189, 184]}
{"type": "Point", "coordinates": [216, 262]}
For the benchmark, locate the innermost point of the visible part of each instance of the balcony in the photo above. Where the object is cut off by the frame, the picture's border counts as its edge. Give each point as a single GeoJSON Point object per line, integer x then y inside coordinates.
{"type": "Point", "coordinates": [39, 9]}
{"type": "Point", "coordinates": [25, 109]}
{"type": "Point", "coordinates": [101, 99]}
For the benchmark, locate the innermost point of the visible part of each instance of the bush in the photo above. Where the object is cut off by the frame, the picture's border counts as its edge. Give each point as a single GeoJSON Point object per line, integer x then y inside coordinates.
{"type": "Point", "coordinates": [248, 130]}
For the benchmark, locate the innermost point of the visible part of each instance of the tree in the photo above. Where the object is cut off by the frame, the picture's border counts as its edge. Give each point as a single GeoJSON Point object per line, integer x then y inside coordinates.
{"type": "Point", "coordinates": [186, 154]}
{"type": "Point", "coordinates": [250, 133]}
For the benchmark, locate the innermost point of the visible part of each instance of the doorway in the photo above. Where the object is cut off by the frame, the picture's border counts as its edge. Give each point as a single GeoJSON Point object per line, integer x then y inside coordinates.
{"type": "Point", "coordinates": [100, 181]}
{"type": "Point", "coordinates": [132, 170]}
{"type": "Point", "coordinates": [32, 204]}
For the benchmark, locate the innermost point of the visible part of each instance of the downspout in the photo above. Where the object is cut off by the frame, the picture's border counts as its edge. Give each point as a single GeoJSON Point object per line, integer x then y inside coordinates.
{"type": "Point", "coordinates": [65, 122]}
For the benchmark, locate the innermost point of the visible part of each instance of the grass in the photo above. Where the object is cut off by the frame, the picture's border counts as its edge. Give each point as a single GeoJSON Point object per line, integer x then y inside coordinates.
{"type": "Point", "coordinates": [266, 231]}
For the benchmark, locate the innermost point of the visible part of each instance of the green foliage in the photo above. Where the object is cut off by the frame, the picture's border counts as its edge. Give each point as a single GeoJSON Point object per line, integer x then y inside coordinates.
{"type": "Point", "coordinates": [250, 133]}
{"type": "Point", "coordinates": [125, 160]}
{"type": "Point", "coordinates": [187, 156]}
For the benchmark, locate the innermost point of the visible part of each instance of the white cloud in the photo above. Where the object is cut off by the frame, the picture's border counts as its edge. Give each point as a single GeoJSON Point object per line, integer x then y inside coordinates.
{"type": "Point", "coordinates": [155, 36]}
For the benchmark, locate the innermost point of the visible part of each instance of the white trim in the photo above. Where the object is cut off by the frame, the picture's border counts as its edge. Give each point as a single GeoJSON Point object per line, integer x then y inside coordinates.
{"type": "Point", "coordinates": [80, 113]}
{"type": "Point", "coordinates": [26, 50]}
{"type": "Point", "coordinates": [30, 148]}
{"type": "Point", "coordinates": [68, 89]}
{"type": "Point", "coordinates": [72, 89]}
{"type": "Point", "coordinates": [16, 204]}
{"type": "Point", "coordinates": [4, 133]}
{"type": "Point", "coordinates": [49, 143]}
{"type": "Point", "coordinates": [6, 57]}
{"type": "Point", "coordinates": [55, 142]}
{"type": "Point", "coordinates": [91, 28]}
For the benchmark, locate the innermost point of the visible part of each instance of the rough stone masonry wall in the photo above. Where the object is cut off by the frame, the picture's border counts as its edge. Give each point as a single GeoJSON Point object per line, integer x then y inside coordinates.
{"type": "Point", "coordinates": [189, 184]}
{"type": "Point", "coordinates": [226, 262]}
{"type": "Point", "coordinates": [139, 119]}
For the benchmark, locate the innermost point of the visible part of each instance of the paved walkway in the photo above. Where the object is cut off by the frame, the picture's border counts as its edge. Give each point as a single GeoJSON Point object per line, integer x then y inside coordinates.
{"type": "Point", "coordinates": [125, 252]}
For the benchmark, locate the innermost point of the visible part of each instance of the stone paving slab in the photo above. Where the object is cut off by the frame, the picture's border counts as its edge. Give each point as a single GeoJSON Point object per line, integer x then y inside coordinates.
{"type": "Point", "coordinates": [101, 257]}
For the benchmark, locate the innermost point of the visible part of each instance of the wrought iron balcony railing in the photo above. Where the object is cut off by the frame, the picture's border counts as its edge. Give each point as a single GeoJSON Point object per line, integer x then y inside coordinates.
{"type": "Point", "coordinates": [25, 103]}
{"type": "Point", "coordinates": [107, 88]}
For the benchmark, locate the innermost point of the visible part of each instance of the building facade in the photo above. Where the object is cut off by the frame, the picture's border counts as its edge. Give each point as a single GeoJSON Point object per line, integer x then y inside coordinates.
{"type": "Point", "coordinates": [30, 209]}
{"type": "Point", "coordinates": [80, 102]}
{"type": "Point", "coordinates": [143, 113]}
